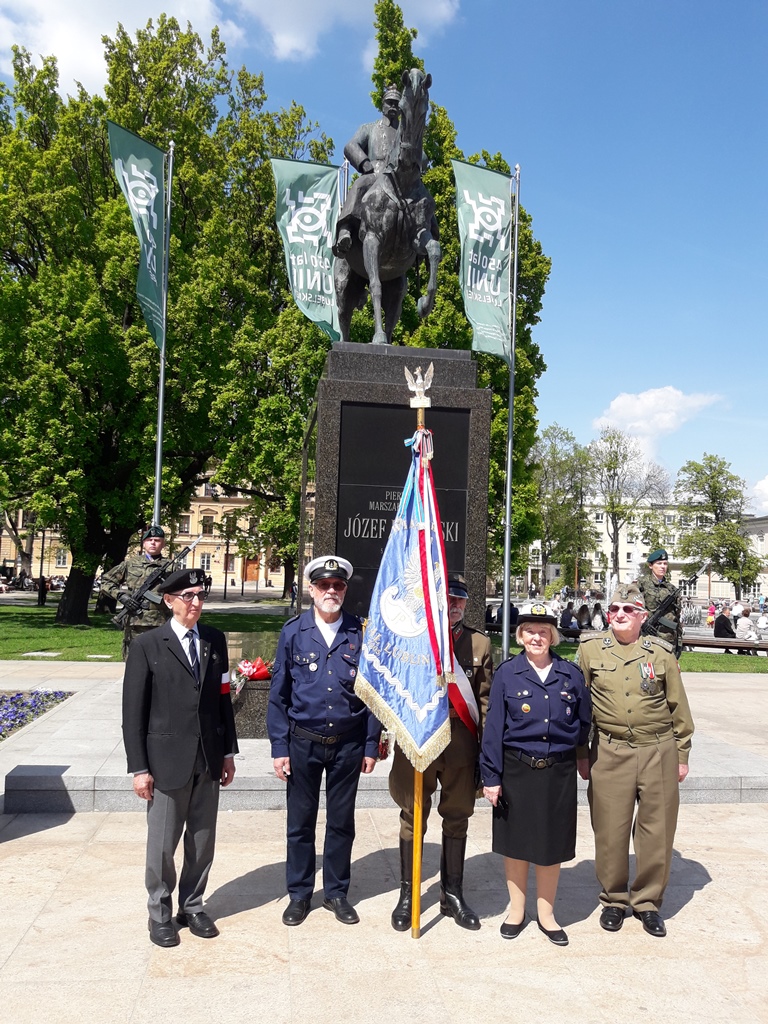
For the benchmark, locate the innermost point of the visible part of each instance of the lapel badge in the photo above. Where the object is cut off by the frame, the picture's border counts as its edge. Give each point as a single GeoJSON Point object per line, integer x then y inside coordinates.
{"type": "Point", "coordinates": [312, 667]}
{"type": "Point", "coordinates": [526, 708]}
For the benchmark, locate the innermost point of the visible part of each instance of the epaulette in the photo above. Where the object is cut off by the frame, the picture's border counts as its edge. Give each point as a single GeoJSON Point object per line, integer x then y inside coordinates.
{"type": "Point", "coordinates": [293, 618]}
{"type": "Point", "coordinates": [592, 634]}
{"type": "Point", "coordinates": [649, 641]}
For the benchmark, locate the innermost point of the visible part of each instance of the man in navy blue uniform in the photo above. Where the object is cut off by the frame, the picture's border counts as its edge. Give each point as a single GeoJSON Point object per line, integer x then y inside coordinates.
{"type": "Point", "coordinates": [317, 724]}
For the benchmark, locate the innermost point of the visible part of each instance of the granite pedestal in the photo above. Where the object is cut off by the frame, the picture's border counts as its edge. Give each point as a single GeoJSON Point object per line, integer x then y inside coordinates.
{"type": "Point", "coordinates": [361, 462]}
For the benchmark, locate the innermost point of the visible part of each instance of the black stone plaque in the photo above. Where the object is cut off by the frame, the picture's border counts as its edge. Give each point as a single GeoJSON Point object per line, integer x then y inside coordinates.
{"type": "Point", "coordinates": [370, 487]}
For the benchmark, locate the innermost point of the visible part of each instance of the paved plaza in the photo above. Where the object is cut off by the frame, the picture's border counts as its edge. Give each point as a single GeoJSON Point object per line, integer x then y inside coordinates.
{"type": "Point", "coordinates": [74, 945]}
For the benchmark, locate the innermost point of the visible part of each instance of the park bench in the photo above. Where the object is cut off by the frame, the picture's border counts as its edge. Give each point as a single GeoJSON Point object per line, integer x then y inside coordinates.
{"type": "Point", "coordinates": [722, 643]}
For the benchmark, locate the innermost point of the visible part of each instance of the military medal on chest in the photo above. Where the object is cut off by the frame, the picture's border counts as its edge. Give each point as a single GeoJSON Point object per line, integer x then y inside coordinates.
{"type": "Point", "coordinates": [649, 677]}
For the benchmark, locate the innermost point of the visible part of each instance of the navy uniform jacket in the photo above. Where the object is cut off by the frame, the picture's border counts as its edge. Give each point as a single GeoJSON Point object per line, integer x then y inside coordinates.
{"type": "Point", "coordinates": [541, 719]}
{"type": "Point", "coordinates": [165, 714]}
{"type": "Point", "coordinates": [315, 688]}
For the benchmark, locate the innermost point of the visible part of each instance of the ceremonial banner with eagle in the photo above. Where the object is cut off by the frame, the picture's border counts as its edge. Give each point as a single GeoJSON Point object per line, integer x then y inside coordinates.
{"type": "Point", "coordinates": [406, 662]}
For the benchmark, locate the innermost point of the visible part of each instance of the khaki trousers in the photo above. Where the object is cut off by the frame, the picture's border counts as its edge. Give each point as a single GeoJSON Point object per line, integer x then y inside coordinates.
{"type": "Point", "coordinates": [633, 791]}
{"type": "Point", "coordinates": [454, 769]}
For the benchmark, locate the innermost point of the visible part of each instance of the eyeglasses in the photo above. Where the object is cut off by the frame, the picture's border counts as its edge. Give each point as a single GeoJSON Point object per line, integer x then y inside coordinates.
{"type": "Point", "coordinates": [628, 609]}
{"type": "Point", "coordinates": [330, 584]}
{"type": "Point", "coordinates": [189, 596]}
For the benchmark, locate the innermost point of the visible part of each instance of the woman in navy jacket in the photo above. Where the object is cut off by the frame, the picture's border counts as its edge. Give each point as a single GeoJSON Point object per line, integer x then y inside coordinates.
{"type": "Point", "coordinates": [538, 713]}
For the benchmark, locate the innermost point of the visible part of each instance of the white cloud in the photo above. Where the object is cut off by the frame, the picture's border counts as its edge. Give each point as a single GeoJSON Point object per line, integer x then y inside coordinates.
{"type": "Point", "coordinates": [72, 30]}
{"type": "Point", "coordinates": [295, 28]}
{"type": "Point", "coordinates": [651, 415]}
{"type": "Point", "coordinates": [760, 491]}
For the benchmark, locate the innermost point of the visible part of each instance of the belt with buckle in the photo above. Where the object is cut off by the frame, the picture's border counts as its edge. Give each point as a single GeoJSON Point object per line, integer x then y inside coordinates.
{"type": "Point", "coordinates": [543, 762]}
{"type": "Point", "coordinates": [318, 737]}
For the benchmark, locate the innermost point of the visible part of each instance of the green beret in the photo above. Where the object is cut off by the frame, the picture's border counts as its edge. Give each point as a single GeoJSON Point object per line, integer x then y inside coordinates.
{"type": "Point", "coordinates": [657, 555]}
{"type": "Point", "coordinates": [153, 531]}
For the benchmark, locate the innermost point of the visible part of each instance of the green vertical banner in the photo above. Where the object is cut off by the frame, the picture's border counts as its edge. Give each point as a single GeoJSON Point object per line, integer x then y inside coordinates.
{"type": "Point", "coordinates": [484, 208]}
{"type": "Point", "coordinates": [140, 172]}
{"type": "Point", "coordinates": [306, 214]}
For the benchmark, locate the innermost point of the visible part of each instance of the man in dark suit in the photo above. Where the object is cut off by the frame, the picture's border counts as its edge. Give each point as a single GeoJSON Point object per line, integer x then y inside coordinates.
{"type": "Point", "coordinates": [724, 626]}
{"type": "Point", "coordinates": [179, 735]}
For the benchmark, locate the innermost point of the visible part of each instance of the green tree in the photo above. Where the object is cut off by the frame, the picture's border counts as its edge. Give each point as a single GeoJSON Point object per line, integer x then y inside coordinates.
{"type": "Point", "coordinates": [79, 366]}
{"type": "Point", "coordinates": [623, 482]}
{"type": "Point", "coordinates": [713, 501]}
{"type": "Point", "coordinates": [562, 478]}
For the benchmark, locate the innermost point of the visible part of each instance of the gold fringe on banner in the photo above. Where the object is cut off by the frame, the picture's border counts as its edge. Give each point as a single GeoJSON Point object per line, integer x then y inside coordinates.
{"type": "Point", "coordinates": [420, 757]}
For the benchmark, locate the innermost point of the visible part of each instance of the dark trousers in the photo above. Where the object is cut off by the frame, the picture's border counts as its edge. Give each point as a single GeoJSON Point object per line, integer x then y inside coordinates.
{"type": "Point", "coordinates": [192, 809]}
{"type": "Point", "coordinates": [341, 763]}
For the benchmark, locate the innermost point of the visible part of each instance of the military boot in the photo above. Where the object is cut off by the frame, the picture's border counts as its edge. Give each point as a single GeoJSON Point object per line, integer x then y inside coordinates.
{"type": "Point", "coordinates": [401, 915]}
{"type": "Point", "coordinates": [451, 882]}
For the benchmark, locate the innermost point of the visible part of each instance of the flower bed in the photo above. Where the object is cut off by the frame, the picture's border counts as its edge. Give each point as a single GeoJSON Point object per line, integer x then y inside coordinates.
{"type": "Point", "coordinates": [17, 709]}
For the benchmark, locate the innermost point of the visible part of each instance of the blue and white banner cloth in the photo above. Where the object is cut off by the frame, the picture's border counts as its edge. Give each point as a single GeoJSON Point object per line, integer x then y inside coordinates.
{"type": "Point", "coordinates": [406, 662]}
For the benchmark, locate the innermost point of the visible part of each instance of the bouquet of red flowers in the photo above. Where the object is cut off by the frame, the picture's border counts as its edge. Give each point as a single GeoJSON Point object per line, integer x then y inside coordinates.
{"type": "Point", "coordinates": [247, 670]}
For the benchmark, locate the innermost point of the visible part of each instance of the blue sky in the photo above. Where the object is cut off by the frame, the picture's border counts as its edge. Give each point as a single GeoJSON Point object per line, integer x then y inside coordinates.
{"type": "Point", "coordinates": [640, 128]}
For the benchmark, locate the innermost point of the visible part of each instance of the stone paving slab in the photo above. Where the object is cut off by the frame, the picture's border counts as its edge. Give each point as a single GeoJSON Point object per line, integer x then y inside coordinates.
{"type": "Point", "coordinates": [74, 943]}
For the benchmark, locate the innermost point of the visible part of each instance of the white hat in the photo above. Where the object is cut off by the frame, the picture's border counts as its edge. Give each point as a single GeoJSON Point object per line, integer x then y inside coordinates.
{"type": "Point", "coordinates": [328, 566]}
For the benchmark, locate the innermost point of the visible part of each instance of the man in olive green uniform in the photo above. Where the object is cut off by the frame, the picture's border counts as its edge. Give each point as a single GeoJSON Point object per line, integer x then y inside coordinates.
{"type": "Point", "coordinates": [454, 769]}
{"type": "Point", "coordinates": [655, 587]}
{"type": "Point", "coordinates": [132, 572]}
{"type": "Point", "coordinates": [639, 755]}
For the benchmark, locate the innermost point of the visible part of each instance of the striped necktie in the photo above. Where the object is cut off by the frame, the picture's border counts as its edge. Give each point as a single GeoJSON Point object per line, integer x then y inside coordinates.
{"type": "Point", "coordinates": [193, 658]}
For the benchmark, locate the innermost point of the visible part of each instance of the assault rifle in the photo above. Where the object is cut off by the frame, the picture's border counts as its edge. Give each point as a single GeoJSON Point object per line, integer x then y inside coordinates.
{"type": "Point", "coordinates": [140, 598]}
{"type": "Point", "coordinates": [657, 620]}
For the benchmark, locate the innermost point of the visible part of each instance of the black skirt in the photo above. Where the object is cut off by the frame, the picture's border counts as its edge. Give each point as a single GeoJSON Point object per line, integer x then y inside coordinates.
{"type": "Point", "coordinates": [538, 823]}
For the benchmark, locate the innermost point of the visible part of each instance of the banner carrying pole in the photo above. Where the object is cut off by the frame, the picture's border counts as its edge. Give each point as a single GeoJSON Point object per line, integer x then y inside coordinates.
{"type": "Point", "coordinates": [418, 806]}
{"type": "Point", "coordinates": [510, 423]}
{"type": "Point", "coordinates": [161, 381]}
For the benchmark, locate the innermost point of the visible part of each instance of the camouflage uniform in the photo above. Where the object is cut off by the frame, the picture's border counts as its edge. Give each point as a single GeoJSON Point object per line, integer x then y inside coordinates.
{"type": "Point", "coordinates": [654, 592]}
{"type": "Point", "coordinates": [132, 572]}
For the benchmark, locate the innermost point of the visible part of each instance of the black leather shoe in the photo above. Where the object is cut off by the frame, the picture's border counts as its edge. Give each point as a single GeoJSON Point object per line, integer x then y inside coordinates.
{"type": "Point", "coordinates": [557, 935]}
{"type": "Point", "coordinates": [199, 924]}
{"type": "Point", "coordinates": [401, 915]}
{"type": "Point", "coordinates": [162, 933]}
{"type": "Point", "coordinates": [511, 931]}
{"type": "Point", "coordinates": [296, 912]}
{"type": "Point", "coordinates": [612, 918]}
{"type": "Point", "coordinates": [343, 909]}
{"type": "Point", "coordinates": [652, 922]}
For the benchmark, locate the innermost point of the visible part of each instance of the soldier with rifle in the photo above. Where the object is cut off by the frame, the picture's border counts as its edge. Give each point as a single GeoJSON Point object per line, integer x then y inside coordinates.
{"type": "Point", "coordinates": [664, 620]}
{"type": "Point", "coordinates": [657, 590]}
{"type": "Point", "coordinates": [143, 609]}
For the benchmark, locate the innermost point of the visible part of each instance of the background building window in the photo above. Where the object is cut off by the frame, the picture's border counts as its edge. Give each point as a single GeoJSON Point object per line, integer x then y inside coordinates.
{"type": "Point", "coordinates": [207, 527]}
{"type": "Point", "coordinates": [182, 562]}
{"type": "Point", "coordinates": [61, 558]}
{"type": "Point", "coordinates": [205, 563]}
{"type": "Point", "coordinates": [629, 556]}
{"type": "Point", "coordinates": [598, 517]}
{"type": "Point", "coordinates": [184, 523]}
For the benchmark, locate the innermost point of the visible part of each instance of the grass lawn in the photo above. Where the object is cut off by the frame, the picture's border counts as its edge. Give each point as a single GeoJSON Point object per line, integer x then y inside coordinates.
{"type": "Point", "coordinates": [25, 629]}
{"type": "Point", "coordinates": [29, 628]}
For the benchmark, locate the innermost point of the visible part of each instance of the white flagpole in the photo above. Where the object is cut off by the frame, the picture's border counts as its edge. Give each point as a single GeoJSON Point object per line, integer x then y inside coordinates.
{"type": "Point", "coordinates": [161, 382]}
{"type": "Point", "coordinates": [510, 424]}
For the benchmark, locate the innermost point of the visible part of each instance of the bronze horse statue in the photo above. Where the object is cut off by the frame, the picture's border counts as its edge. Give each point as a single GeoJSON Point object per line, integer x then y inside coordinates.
{"type": "Point", "coordinates": [397, 225]}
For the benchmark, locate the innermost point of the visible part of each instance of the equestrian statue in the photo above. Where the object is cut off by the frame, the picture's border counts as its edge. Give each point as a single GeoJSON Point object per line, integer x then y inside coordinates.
{"type": "Point", "coordinates": [388, 218]}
